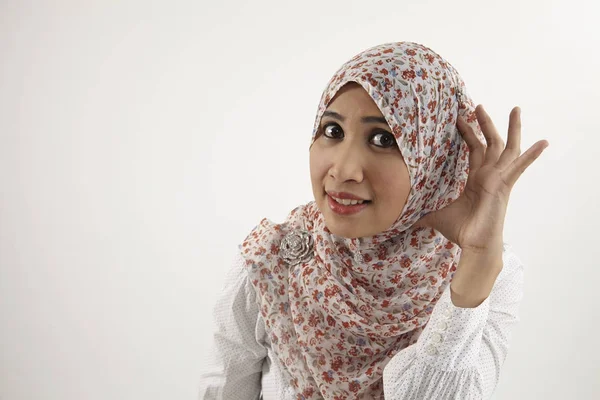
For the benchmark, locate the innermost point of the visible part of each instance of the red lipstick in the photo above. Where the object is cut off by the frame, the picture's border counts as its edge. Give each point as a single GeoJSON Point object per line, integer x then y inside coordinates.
{"type": "Point", "coordinates": [342, 209]}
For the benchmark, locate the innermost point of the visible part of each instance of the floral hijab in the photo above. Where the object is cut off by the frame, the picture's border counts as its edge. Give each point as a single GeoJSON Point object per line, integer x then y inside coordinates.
{"type": "Point", "coordinates": [338, 309]}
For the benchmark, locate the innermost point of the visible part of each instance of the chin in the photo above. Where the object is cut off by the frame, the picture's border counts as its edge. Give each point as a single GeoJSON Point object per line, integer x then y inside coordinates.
{"type": "Point", "coordinates": [345, 233]}
{"type": "Point", "coordinates": [349, 229]}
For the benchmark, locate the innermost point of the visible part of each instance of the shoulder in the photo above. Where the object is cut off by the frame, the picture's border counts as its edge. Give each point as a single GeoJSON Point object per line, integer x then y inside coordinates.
{"type": "Point", "coordinates": [236, 279]}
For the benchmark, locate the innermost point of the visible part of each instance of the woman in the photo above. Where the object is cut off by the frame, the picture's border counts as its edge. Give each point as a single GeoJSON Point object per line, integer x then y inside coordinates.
{"type": "Point", "coordinates": [395, 281]}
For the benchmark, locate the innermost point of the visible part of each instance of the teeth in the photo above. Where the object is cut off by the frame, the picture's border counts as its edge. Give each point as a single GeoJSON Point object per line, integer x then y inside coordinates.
{"type": "Point", "coordinates": [348, 202]}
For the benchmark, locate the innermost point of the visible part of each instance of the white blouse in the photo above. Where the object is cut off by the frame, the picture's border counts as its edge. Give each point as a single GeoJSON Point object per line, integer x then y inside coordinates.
{"type": "Point", "coordinates": [458, 355]}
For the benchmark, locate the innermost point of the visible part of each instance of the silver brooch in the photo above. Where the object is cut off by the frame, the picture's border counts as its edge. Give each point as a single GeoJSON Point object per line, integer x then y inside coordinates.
{"type": "Point", "coordinates": [296, 247]}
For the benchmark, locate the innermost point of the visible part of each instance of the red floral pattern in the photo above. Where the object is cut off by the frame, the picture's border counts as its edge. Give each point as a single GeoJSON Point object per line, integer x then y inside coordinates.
{"type": "Point", "coordinates": [334, 323]}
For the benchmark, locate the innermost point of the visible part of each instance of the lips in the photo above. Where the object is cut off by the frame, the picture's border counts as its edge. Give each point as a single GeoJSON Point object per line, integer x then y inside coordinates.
{"type": "Point", "coordinates": [342, 209]}
{"type": "Point", "coordinates": [345, 196]}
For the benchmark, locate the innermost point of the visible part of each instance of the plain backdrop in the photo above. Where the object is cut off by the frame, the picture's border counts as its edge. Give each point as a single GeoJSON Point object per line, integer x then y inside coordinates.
{"type": "Point", "coordinates": [141, 141]}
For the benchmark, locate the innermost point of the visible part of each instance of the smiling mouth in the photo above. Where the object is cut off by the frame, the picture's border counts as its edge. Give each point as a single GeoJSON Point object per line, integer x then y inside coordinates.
{"type": "Point", "coordinates": [346, 207]}
{"type": "Point", "coordinates": [349, 202]}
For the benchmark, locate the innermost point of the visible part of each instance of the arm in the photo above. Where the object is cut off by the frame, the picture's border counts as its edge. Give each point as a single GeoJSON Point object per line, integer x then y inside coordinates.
{"type": "Point", "coordinates": [461, 350]}
{"type": "Point", "coordinates": [234, 365]}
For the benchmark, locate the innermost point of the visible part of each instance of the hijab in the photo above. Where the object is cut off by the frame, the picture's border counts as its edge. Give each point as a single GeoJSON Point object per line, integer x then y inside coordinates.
{"type": "Point", "coordinates": [337, 309]}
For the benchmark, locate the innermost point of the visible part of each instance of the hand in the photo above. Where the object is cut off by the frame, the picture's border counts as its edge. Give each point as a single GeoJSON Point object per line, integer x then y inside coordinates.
{"type": "Point", "coordinates": [475, 221]}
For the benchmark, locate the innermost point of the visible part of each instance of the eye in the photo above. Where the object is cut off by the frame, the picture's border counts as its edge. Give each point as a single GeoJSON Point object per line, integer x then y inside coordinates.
{"type": "Point", "coordinates": [333, 131]}
{"type": "Point", "coordinates": [383, 139]}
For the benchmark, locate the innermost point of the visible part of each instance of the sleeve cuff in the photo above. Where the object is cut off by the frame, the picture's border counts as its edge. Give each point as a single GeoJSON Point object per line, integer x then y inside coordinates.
{"type": "Point", "coordinates": [452, 338]}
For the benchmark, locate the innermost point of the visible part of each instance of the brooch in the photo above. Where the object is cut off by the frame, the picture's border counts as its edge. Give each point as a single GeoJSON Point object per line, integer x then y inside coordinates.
{"type": "Point", "coordinates": [296, 247]}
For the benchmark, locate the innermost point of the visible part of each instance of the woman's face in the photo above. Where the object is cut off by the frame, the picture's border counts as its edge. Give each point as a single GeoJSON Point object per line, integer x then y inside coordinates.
{"type": "Point", "coordinates": [355, 153]}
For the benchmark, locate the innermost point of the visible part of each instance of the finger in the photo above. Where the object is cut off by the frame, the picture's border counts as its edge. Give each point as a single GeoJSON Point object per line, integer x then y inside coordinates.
{"type": "Point", "coordinates": [476, 148]}
{"type": "Point", "coordinates": [513, 145]}
{"type": "Point", "coordinates": [516, 169]}
{"type": "Point", "coordinates": [495, 144]}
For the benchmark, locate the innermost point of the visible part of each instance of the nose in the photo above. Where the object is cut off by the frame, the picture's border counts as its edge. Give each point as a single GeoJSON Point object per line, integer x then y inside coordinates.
{"type": "Point", "coordinates": [347, 163]}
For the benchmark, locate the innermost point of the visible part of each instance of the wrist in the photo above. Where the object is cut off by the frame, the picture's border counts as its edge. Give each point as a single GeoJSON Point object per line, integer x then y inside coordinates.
{"type": "Point", "coordinates": [474, 278]}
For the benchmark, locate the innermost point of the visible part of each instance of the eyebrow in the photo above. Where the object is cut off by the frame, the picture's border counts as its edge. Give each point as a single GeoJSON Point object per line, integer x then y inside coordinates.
{"type": "Point", "coordinates": [366, 120]}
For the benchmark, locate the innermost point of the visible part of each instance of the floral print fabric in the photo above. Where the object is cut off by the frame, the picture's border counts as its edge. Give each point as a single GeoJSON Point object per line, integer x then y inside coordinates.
{"type": "Point", "coordinates": [334, 322]}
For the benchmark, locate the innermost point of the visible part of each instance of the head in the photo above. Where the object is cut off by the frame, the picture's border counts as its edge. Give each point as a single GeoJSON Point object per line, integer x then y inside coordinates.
{"type": "Point", "coordinates": [355, 152]}
{"type": "Point", "coordinates": [386, 133]}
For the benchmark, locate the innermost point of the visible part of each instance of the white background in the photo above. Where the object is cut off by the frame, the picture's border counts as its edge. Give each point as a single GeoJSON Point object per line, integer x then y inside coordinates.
{"type": "Point", "coordinates": [140, 142]}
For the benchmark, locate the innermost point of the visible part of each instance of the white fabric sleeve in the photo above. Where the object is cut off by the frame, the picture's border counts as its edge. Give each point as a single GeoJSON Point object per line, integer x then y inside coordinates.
{"type": "Point", "coordinates": [234, 366]}
{"type": "Point", "coordinates": [461, 350]}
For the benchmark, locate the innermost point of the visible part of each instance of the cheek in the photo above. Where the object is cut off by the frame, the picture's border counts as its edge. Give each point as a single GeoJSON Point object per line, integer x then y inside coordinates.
{"type": "Point", "coordinates": [317, 165]}
{"type": "Point", "coordinates": [393, 185]}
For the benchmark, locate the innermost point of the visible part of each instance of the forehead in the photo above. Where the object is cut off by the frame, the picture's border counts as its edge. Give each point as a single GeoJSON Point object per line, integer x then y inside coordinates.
{"type": "Point", "coordinates": [352, 97]}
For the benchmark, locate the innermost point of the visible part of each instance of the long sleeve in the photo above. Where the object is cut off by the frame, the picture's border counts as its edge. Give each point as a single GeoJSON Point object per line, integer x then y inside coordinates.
{"type": "Point", "coordinates": [461, 350]}
{"type": "Point", "coordinates": [234, 365]}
